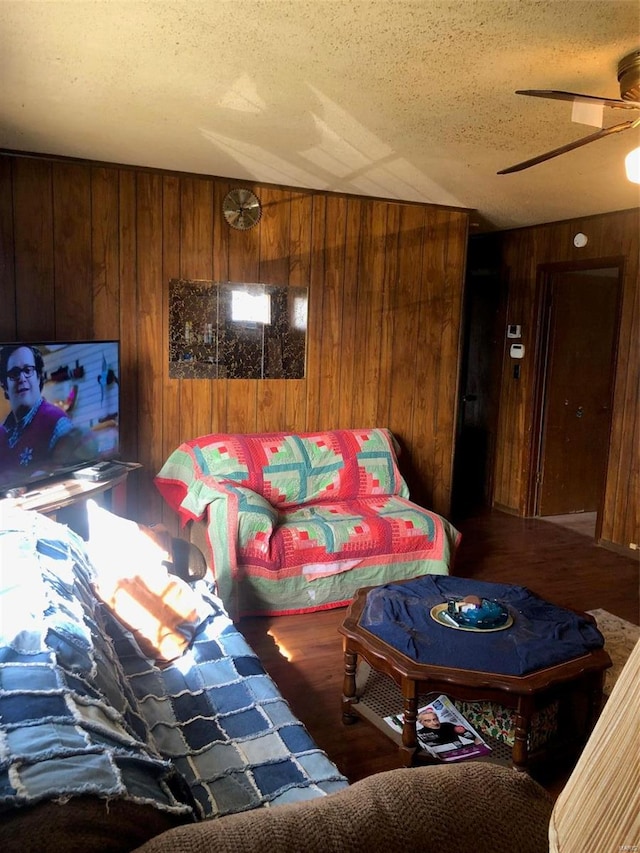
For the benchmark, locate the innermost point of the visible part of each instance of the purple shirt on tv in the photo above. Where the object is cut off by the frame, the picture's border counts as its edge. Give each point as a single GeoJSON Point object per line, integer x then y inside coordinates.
{"type": "Point", "coordinates": [26, 445]}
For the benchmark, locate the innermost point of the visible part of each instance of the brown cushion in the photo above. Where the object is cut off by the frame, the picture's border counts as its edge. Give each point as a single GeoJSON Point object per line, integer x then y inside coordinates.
{"type": "Point", "coordinates": [440, 809]}
{"type": "Point", "coordinates": [82, 825]}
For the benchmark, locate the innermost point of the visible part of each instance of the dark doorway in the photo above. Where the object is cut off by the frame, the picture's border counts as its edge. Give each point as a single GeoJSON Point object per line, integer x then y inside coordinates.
{"type": "Point", "coordinates": [483, 335]}
{"type": "Point", "coordinates": [578, 349]}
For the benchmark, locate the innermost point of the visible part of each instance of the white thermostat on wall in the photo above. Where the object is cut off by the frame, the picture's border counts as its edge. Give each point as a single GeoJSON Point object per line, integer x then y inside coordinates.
{"type": "Point", "coordinates": [517, 351]}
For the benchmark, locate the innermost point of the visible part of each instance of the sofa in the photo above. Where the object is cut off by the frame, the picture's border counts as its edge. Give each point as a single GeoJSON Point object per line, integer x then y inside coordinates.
{"type": "Point", "coordinates": [134, 716]}
{"type": "Point", "coordinates": [122, 681]}
{"type": "Point", "coordinates": [293, 523]}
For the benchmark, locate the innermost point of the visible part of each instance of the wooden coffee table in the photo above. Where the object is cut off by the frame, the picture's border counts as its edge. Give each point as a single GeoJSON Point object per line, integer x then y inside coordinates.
{"type": "Point", "coordinates": [576, 684]}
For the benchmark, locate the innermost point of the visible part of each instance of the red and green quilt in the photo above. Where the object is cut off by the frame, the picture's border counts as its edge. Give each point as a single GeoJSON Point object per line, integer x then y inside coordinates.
{"type": "Point", "coordinates": [298, 522]}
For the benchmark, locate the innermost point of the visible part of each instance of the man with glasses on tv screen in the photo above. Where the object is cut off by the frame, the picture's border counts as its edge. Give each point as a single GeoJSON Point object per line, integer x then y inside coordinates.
{"type": "Point", "coordinates": [36, 437]}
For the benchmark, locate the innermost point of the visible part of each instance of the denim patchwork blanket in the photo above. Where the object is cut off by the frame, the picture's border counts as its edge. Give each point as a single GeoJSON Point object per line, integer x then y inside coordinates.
{"type": "Point", "coordinates": [83, 711]}
{"type": "Point", "coordinates": [69, 722]}
{"type": "Point", "coordinates": [224, 724]}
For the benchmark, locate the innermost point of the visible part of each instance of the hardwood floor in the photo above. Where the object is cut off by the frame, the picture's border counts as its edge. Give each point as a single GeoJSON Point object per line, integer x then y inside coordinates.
{"type": "Point", "coordinates": [580, 522]}
{"type": "Point", "coordinates": [304, 653]}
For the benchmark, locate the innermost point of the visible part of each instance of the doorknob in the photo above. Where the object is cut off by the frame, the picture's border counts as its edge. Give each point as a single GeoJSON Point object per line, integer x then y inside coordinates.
{"type": "Point", "coordinates": [579, 412]}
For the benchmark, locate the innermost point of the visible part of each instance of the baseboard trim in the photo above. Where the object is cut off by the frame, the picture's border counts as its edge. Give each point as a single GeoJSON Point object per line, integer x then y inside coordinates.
{"type": "Point", "coordinates": [623, 550]}
{"type": "Point", "coordinates": [508, 509]}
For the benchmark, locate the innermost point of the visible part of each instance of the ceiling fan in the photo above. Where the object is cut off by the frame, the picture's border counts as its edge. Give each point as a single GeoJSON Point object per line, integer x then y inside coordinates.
{"type": "Point", "coordinates": [629, 80]}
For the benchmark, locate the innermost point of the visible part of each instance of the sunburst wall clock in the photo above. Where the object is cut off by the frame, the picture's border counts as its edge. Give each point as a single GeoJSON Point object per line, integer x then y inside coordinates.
{"type": "Point", "coordinates": [241, 208]}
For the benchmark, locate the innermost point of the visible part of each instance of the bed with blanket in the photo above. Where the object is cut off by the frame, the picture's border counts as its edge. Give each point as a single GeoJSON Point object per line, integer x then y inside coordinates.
{"type": "Point", "coordinates": [293, 523]}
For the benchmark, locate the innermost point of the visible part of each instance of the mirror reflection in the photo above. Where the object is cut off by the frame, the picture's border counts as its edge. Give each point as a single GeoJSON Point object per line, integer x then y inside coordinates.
{"type": "Point", "coordinates": [236, 330]}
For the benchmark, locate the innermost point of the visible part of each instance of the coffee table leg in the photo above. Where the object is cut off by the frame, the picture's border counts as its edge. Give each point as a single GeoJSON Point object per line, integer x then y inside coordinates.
{"type": "Point", "coordinates": [520, 751]}
{"type": "Point", "coordinates": [349, 686]}
{"type": "Point", "coordinates": [410, 713]}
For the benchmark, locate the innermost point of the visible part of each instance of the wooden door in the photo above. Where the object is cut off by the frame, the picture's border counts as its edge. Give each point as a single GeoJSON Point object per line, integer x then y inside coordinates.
{"type": "Point", "coordinates": [576, 417]}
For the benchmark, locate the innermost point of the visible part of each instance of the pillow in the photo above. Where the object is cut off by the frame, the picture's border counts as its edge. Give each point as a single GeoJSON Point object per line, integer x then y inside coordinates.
{"type": "Point", "coordinates": [131, 578]}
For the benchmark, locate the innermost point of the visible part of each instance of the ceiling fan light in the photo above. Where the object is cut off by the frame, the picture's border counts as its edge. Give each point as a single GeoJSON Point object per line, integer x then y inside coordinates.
{"type": "Point", "coordinates": [632, 165]}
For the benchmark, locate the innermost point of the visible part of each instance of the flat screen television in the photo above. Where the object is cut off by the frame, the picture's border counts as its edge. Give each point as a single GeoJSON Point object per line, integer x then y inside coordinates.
{"type": "Point", "coordinates": [59, 410]}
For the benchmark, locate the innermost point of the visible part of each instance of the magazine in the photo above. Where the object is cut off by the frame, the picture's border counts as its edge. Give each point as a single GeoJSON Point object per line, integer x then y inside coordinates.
{"type": "Point", "coordinates": [443, 732]}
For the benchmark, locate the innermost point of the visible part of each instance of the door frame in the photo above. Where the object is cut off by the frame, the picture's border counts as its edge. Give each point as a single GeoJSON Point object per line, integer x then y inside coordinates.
{"type": "Point", "coordinates": [542, 317]}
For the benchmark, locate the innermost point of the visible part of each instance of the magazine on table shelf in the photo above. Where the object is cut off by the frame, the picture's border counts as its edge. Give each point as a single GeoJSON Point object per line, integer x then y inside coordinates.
{"type": "Point", "coordinates": [443, 732]}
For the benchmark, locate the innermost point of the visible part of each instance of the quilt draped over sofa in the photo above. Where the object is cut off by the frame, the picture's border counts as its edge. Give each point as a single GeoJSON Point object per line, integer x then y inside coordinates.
{"type": "Point", "coordinates": [83, 711]}
{"type": "Point", "coordinates": [298, 522]}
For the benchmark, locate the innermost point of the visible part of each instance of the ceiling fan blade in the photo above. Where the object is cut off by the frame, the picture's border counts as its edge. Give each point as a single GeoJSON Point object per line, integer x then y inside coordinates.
{"type": "Point", "coordinates": [556, 95]}
{"type": "Point", "coordinates": [570, 146]}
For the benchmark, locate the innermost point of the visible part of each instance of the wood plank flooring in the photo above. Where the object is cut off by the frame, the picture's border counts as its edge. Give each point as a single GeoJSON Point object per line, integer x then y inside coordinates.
{"type": "Point", "coordinates": [304, 653]}
{"type": "Point", "coordinates": [580, 522]}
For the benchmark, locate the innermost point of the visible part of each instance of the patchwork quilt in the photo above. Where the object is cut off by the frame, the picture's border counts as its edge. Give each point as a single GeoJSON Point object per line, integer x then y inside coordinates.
{"type": "Point", "coordinates": [225, 726]}
{"type": "Point", "coordinates": [299, 522]}
{"type": "Point", "coordinates": [69, 722]}
{"type": "Point", "coordinates": [83, 711]}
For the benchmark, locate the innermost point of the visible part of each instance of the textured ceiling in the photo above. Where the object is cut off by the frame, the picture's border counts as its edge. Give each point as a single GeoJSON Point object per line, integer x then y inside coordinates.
{"type": "Point", "coordinates": [407, 100]}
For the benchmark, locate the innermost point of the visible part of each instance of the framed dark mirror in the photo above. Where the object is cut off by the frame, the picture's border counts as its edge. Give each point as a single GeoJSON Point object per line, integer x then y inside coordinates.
{"type": "Point", "coordinates": [236, 330]}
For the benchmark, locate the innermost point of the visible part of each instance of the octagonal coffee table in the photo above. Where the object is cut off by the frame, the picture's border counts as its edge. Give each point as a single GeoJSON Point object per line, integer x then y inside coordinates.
{"type": "Point", "coordinates": [549, 654]}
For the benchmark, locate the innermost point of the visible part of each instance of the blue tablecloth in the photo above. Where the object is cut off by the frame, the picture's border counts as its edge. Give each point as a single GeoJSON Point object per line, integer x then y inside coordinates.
{"type": "Point", "coordinates": [542, 634]}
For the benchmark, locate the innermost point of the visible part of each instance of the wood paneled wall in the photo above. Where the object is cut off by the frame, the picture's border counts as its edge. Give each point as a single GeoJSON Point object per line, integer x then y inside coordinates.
{"type": "Point", "coordinates": [87, 251]}
{"type": "Point", "coordinates": [524, 251]}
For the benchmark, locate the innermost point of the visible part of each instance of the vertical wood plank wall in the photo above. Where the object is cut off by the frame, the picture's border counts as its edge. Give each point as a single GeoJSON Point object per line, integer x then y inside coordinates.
{"type": "Point", "coordinates": [87, 251]}
{"type": "Point", "coordinates": [614, 235]}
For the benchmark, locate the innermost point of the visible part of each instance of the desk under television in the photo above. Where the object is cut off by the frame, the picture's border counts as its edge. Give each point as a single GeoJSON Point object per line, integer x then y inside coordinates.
{"type": "Point", "coordinates": [69, 493]}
